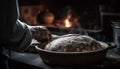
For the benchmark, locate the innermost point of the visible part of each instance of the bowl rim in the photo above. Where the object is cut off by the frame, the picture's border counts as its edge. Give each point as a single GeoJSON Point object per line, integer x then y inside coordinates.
{"type": "Point", "coordinates": [103, 44]}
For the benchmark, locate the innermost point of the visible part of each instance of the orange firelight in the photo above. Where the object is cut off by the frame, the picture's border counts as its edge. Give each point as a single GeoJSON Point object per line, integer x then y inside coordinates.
{"type": "Point", "coordinates": [67, 23]}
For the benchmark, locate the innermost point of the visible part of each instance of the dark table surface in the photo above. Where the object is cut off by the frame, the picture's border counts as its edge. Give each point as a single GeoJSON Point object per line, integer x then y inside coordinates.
{"type": "Point", "coordinates": [33, 59]}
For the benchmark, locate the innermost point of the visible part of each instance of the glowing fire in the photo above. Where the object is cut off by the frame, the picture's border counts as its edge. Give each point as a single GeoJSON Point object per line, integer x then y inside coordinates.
{"type": "Point", "coordinates": [67, 23]}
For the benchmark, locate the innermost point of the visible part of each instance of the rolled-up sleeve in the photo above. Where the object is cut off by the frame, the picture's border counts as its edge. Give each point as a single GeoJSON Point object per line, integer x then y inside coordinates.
{"type": "Point", "coordinates": [24, 36]}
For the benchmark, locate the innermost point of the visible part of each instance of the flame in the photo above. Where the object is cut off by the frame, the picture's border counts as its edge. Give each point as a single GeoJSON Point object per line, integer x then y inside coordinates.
{"type": "Point", "coordinates": [67, 23]}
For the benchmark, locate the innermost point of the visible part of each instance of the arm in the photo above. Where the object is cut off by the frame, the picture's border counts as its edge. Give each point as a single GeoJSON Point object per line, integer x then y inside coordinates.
{"type": "Point", "coordinates": [14, 34]}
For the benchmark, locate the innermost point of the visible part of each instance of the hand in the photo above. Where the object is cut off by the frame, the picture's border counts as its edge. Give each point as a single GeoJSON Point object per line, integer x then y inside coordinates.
{"type": "Point", "coordinates": [40, 33]}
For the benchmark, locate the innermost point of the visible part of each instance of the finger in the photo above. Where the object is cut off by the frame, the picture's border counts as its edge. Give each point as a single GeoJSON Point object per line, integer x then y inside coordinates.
{"type": "Point", "coordinates": [43, 33]}
{"type": "Point", "coordinates": [42, 36]}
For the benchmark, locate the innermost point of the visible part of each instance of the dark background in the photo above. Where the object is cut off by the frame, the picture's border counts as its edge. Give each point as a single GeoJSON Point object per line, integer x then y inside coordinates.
{"type": "Point", "coordinates": [79, 5]}
{"type": "Point", "coordinates": [94, 9]}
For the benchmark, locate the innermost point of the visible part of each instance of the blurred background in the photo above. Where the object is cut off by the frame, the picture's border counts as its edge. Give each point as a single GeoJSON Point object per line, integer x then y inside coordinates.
{"type": "Point", "coordinates": [95, 16]}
